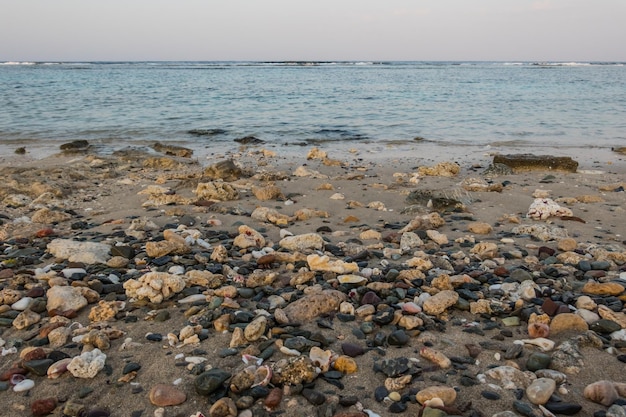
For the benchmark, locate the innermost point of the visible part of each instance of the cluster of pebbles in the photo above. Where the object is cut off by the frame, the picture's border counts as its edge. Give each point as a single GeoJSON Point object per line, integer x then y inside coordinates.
{"type": "Point", "coordinates": [214, 299]}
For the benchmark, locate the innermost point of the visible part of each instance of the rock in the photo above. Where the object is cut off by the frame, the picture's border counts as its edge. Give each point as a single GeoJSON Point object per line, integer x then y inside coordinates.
{"type": "Point", "coordinates": [172, 150]}
{"type": "Point", "coordinates": [436, 357]}
{"type": "Point", "coordinates": [83, 252]}
{"type": "Point", "coordinates": [166, 247]}
{"type": "Point", "coordinates": [439, 302]}
{"type": "Point", "coordinates": [65, 298]}
{"type": "Point", "coordinates": [216, 190]}
{"type": "Point", "coordinates": [345, 364]}
{"type": "Point", "coordinates": [210, 381]}
{"type": "Point", "coordinates": [38, 367]}
{"type": "Point", "coordinates": [26, 319]}
{"type": "Point", "coordinates": [48, 216]}
{"type": "Point", "coordinates": [224, 407]}
{"type": "Point", "coordinates": [437, 237]}
{"type": "Point", "coordinates": [302, 243]}
{"type": "Point", "coordinates": [540, 390]}
{"type": "Point", "coordinates": [509, 377]}
{"type": "Point", "coordinates": [601, 392]}
{"type": "Point", "coordinates": [314, 305]}
{"type": "Point", "coordinates": [568, 322]}
{"type": "Point", "coordinates": [154, 286]}
{"type": "Point", "coordinates": [323, 263]}
{"type": "Point", "coordinates": [528, 162]}
{"type": "Point", "coordinates": [537, 361]}
{"type": "Point", "coordinates": [43, 407]}
{"type": "Point", "coordinates": [446, 394]}
{"type": "Point", "coordinates": [105, 310]}
{"type": "Point", "coordinates": [480, 228]}
{"type": "Point", "coordinates": [567, 409]}
{"type": "Point", "coordinates": [585, 302]}
{"type": "Point", "coordinates": [485, 250]}
{"type": "Point", "coordinates": [88, 364]}
{"type": "Point", "coordinates": [248, 238]}
{"type": "Point", "coordinates": [313, 396]}
{"type": "Point", "coordinates": [567, 244]}
{"type": "Point", "coordinates": [224, 170]}
{"type": "Point", "coordinates": [269, 192]}
{"type": "Point", "coordinates": [541, 232]}
{"type": "Point", "coordinates": [608, 314]}
{"type": "Point", "coordinates": [294, 371]}
{"type": "Point", "coordinates": [163, 395]}
{"type": "Point", "coordinates": [544, 208]}
{"type": "Point", "coordinates": [442, 169]}
{"type": "Point", "coordinates": [603, 288]}
{"type": "Point", "coordinates": [255, 329]}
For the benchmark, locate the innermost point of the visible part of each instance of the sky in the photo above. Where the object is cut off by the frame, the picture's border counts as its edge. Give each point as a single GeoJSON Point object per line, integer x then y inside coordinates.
{"type": "Point", "coordinates": [279, 30]}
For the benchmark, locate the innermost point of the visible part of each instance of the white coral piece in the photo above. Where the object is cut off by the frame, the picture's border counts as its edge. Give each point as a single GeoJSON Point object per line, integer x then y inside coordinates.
{"type": "Point", "coordinates": [543, 208]}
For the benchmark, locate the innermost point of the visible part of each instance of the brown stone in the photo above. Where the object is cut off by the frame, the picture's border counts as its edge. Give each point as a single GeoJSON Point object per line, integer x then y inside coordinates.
{"type": "Point", "coordinates": [528, 162]}
{"type": "Point", "coordinates": [603, 288]}
{"type": "Point", "coordinates": [43, 407]}
{"type": "Point", "coordinates": [568, 322]}
{"type": "Point", "coordinates": [163, 395]}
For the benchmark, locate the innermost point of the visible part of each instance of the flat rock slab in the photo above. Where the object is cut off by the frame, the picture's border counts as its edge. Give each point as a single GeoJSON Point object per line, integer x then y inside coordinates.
{"type": "Point", "coordinates": [528, 162]}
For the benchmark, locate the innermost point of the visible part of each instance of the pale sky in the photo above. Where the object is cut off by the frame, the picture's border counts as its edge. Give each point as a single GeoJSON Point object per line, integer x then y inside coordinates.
{"type": "Point", "coordinates": [506, 30]}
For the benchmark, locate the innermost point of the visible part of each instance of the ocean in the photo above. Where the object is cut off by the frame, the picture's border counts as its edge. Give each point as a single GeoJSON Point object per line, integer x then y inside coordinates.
{"type": "Point", "coordinates": [208, 105]}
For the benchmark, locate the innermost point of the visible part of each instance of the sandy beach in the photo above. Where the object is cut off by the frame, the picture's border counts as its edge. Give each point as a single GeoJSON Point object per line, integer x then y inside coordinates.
{"type": "Point", "coordinates": [414, 248]}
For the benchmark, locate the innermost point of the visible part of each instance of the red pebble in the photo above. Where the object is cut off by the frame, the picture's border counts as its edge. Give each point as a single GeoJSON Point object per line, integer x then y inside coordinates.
{"type": "Point", "coordinates": [6, 375]}
{"type": "Point", "coordinates": [34, 354]}
{"type": "Point", "coordinates": [274, 398]}
{"type": "Point", "coordinates": [44, 232]}
{"type": "Point", "coordinates": [43, 407]}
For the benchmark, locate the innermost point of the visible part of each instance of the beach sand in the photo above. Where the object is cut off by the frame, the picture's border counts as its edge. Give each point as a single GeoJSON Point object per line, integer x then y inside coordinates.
{"type": "Point", "coordinates": [92, 197]}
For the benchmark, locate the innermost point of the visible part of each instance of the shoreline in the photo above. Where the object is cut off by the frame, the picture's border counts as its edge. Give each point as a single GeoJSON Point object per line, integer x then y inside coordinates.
{"type": "Point", "coordinates": [358, 203]}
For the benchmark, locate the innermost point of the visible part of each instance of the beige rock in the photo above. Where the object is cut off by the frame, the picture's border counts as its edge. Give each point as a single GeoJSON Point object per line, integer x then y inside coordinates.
{"type": "Point", "coordinates": [480, 228]}
{"type": "Point", "coordinates": [64, 298]}
{"type": "Point", "coordinates": [601, 392]}
{"type": "Point", "coordinates": [225, 170]}
{"type": "Point", "coordinates": [255, 329]}
{"type": "Point", "coordinates": [248, 238]}
{"type": "Point", "coordinates": [480, 307]}
{"type": "Point", "coordinates": [26, 319]}
{"type": "Point", "coordinates": [370, 235]}
{"type": "Point", "coordinates": [166, 247]}
{"type": "Point", "coordinates": [543, 208]}
{"type": "Point", "coordinates": [442, 282]}
{"type": "Point", "coordinates": [48, 216]}
{"type": "Point", "coordinates": [510, 377]}
{"type": "Point", "coordinates": [442, 169]}
{"type": "Point", "coordinates": [590, 199]}
{"type": "Point", "coordinates": [118, 262]}
{"type": "Point", "coordinates": [237, 339]}
{"type": "Point", "coordinates": [316, 153]}
{"type": "Point", "coordinates": [314, 305]}
{"type": "Point", "coordinates": [479, 184]}
{"type": "Point", "coordinates": [567, 244]}
{"type": "Point", "coordinates": [105, 310]}
{"type": "Point", "coordinates": [439, 302]}
{"type": "Point", "coordinates": [410, 240]}
{"type": "Point", "coordinates": [307, 213]}
{"type": "Point", "coordinates": [303, 171]}
{"type": "Point", "coordinates": [266, 214]}
{"type": "Point", "coordinates": [427, 221]}
{"type": "Point", "coordinates": [84, 252]}
{"type": "Point", "coordinates": [421, 264]}
{"type": "Point", "coordinates": [154, 286]}
{"type": "Point", "coordinates": [261, 278]}
{"type": "Point", "coordinates": [410, 322]}
{"type": "Point", "coordinates": [269, 192]}
{"type": "Point", "coordinates": [304, 242]}
{"type": "Point", "coordinates": [541, 232]}
{"type": "Point", "coordinates": [585, 302]}
{"type": "Point", "coordinates": [540, 390]}
{"type": "Point", "coordinates": [437, 237]}
{"type": "Point", "coordinates": [446, 394]}
{"type": "Point", "coordinates": [58, 337]}
{"type": "Point", "coordinates": [603, 288]}
{"type": "Point", "coordinates": [203, 278]}
{"type": "Point", "coordinates": [323, 263]}
{"type": "Point", "coordinates": [485, 250]}
{"type": "Point", "coordinates": [607, 313]}
{"type": "Point", "coordinates": [571, 258]}
{"type": "Point", "coordinates": [568, 322]}
{"type": "Point", "coordinates": [219, 254]}
{"type": "Point", "coordinates": [216, 190]}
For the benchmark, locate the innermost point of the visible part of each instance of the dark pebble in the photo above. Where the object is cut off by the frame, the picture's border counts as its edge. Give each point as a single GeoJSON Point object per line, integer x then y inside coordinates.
{"type": "Point", "coordinates": [313, 396]}
{"type": "Point", "coordinates": [524, 409]}
{"type": "Point", "coordinates": [84, 391]}
{"type": "Point", "coordinates": [348, 401]}
{"type": "Point", "coordinates": [605, 326]}
{"type": "Point", "coordinates": [38, 366]}
{"type": "Point", "coordinates": [490, 395]}
{"type": "Point", "coordinates": [568, 409]}
{"type": "Point", "coordinates": [370, 297]}
{"type": "Point", "coordinates": [380, 393]}
{"type": "Point", "coordinates": [621, 358]}
{"type": "Point", "coordinates": [154, 337]}
{"type": "Point", "coordinates": [131, 367]}
{"type": "Point", "coordinates": [398, 407]}
{"type": "Point", "coordinates": [208, 382]}
{"type": "Point", "coordinates": [259, 392]}
{"type": "Point", "coordinates": [352, 349]}
{"type": "Point", "coordinates": [98, 412]}
{"type": "Point", "coordinates": [538, 360]}
{"type": "Point", "coordinates": [398, 338]}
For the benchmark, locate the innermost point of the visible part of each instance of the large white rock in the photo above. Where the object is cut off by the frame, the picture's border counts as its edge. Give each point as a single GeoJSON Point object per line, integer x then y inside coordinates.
{"type": "Point", "coordinates": [65, 298]}
{"type": "Point", "coordinates": [85, 252]}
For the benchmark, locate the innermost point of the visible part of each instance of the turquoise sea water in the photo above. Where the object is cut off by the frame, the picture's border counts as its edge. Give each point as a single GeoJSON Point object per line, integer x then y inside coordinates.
{"type": "Point", "coordinates": [203, 104]}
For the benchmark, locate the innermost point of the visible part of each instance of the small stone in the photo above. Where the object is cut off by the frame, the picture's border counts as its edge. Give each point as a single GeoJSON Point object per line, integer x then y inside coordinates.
{"type": "Point", "coordinates": [274, 398]}
{"type": "Point", "coordinates": [380, 393]}
{"type": "Point", "coordinates": [313, 396]}
{"type": "Point", "coordinates": [540, 390]}
{"type": "Point", "coordinates": [490, 395]}
{"type": "Point", "coordinates": [163, 395]}
{"type": "Point", "coordinates": [345, 364]}
{"type": "Point", "coordinates": [537, 361]}
{"type": "Point", "coordinates": [43, 407]}
{"type": "Point", "coordinates": [603, 288]}
{"type": "Point", "coordinates": [224, 407]}
{"type": "Point", "coordinates": [446, 394]}
{"type": "Point", "coordinates": [65, 298]}
{"type": "Point", "coordinates": [210, 381]}
{"type": "Point", "coordinates": [480, 228]}
{"type": "Point", "coordinates": [601, 392]}
{"type": "Point", "coordinates": [567, 409]}
{"type": "Point", "coordinates": [398, 338]}
{"type": "Point", "coordinates": [439, 302]}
